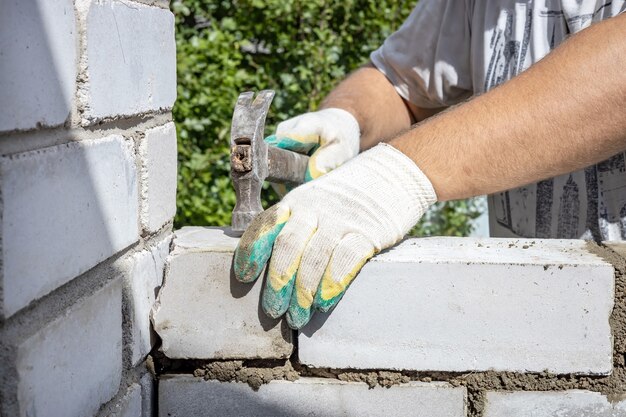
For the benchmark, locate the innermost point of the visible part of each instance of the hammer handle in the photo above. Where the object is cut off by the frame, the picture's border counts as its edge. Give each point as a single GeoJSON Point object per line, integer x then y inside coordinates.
{"type": "Point", "coordinates": [286, 166]}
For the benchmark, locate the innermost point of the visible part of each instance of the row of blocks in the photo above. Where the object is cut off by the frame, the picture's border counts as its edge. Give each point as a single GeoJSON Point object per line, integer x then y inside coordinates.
{"type": "Point", "coordinates": [71, 362]}
{"type": "Point", "coordinates": [187, 396]}
{"type": "Point", "coordinates": [74, 205]}
{"type": "Point", "coordinates": [435, 304]}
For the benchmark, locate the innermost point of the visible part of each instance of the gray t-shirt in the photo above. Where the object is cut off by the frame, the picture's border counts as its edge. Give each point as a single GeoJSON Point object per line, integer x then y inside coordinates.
{"type": "Point", "coordinates": [449, 50]}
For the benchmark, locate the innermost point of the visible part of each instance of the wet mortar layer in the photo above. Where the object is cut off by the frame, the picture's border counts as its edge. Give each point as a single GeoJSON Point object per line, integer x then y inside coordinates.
{"type": "Point", "coordinates": [258, 372]}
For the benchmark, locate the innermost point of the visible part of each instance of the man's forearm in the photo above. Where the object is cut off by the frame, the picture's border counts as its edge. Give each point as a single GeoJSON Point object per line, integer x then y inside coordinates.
{"type": "Point", "coordinates": [566, 112]}
{"type": "Point", "coordinates": [369, 96]}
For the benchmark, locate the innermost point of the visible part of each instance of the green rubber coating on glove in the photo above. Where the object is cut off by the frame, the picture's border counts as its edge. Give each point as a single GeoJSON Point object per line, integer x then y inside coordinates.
{"type": "Point", "coordinates": [323, 305]}
{"type": "Point", "coordinates": [307, 175]}
{"type": "Point", "coordinates": [298, 317]}
{"type": "Point", "coordinates": [275, 303]}
{"type": "Point", "coordinates": [290, 144]}
{"type": "Point", "coordinates": [252, 255]}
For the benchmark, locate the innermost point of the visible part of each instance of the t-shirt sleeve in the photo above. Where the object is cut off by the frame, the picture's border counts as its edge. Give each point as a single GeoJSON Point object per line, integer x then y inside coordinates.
{"type": "Point", "coordinates": [428, 58]}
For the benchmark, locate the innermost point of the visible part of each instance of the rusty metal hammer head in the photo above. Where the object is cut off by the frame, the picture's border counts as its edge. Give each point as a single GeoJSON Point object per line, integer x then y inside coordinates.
{"type": "Point", "coordinates": [253, 161]}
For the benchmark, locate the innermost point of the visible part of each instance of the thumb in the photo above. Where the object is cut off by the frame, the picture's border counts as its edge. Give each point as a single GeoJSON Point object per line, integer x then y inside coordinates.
{"type": "Point", "coordinates": [328, 157]}
{"type": "Point", "coordinates": [255, 246]}
{"type": "Point", "coordinates": [303, 144]}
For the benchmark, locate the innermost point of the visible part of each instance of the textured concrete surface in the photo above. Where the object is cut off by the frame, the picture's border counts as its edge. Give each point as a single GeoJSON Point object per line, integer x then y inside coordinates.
{"type": "Point", "coordinates": [452, 304]}
{"type": "Point", "coordinates": [202, 312]}
{"type": "Point", "coordinates": [573, 403]}
{"type": "Point", "coordinates": [73, 364]}
{"type": "Point", "coordinates": [148, 396]}
{"type": "Point", "coordinates": [186, 396]}
{"type": "Point", "coordinates": [37, 63]}
{"type": "Point", "coordinates": [158, 177]}
{"type": "Point", "coordinates": [127, 406]}
{"type": "Point", "coordinates": [64, 209]}
{"type": "Point", "coordinates": [144, 278]}
{"type": "Point", "coordinates": [133, 71]}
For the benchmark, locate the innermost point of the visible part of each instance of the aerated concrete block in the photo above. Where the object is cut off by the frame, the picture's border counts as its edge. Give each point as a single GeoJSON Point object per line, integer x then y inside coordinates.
{"type": "Point", "coordinates": [186, 396]}
{"type": "Point", "coordinates": [130, 63]}
{"type": "Point", "coordinates": [157, 151]}
{"type": "Point", "coordinates": [73, 364]}
{"type": "Point", "coordinates": [460, 304]}
{"type": "Point", "coordinates": [64, 209]}
{"type": "Point", "coordinates": [142, 282]}
{"type": "Point", "coordinates": [572, 403]}
{"type": "Point", "coordinates": [127, 406]}
{"type": "Point", "coordinates": [37, 63]}
{"type": "Point", "coordinates": [202, 312]}
{"type": "Point", "coordinates": [148, 396]}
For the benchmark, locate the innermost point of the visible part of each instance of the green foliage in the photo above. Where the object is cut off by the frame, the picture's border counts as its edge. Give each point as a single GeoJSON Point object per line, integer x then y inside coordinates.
{"type": "Point", "coordinates": [298, 48]}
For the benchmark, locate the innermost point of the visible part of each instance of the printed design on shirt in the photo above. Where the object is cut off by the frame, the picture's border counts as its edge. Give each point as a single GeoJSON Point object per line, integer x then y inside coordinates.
{"type": "Point", "coordinates": [545, 192]}
{"type": "Point", "coordinates": [611, 182]}
{"type": "Point", "coordinates": [581, 21]}
{"type": "Point", "coordinates": [507, 53]}
{"type": "Point", "coordinates": [592, 224]}
{"type": "Point", "coordinates": [569, 210]}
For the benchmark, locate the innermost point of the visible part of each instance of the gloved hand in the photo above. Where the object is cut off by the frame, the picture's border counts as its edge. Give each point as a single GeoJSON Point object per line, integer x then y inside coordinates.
{"type": "Point", "coordinates": [331, 136]}
{"type": "Point", "coordinates": [324, 231]}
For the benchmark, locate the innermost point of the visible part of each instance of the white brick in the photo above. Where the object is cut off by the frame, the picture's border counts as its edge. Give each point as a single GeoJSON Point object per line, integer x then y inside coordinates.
{"type": "Point", "coordinates": [74, 364]}
{"type": "Point", "coordinates": [129, 405]}
{"type": "Point", "coordinates": [141, 284]}
{"type": "Point", "coordinates": [158, 177]}
{"type": "Point", "coordinates": [186, 396]}
{"type": "Point", "coordinates": [131, 60]}
{"type": "Point", "coordinates": [203, 313]}
{"type": "Point", "coordinates": [453, 304]}
{"type": "Point", "coordinates": [37, 63]}
{"type": "Point", "coordinates": [65, 209]}
{"type": "Point", "coordinates": [573, 403]}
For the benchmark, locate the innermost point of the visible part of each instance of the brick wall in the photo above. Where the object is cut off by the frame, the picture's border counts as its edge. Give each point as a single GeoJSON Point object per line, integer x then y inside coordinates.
{"type": "Point", "coordinates": [454, 327]}
{"type": "Point", "coordinates": [87, 183]}
{"type": "Point", "coordinates": [433, 327]}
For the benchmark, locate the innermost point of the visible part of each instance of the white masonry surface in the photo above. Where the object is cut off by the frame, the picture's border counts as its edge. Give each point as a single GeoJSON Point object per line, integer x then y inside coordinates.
{"type": "Point", "coordinates": [572, 403]}
{"type": "Point", "coordinates": [130, 404]}
{"type": "Point", "coordinates": [133, 71]}
{"type": "Point", "coordinates": [203, 313]}
{"type": "Point", "coordinates": [74, 364]}
{"type": "Point", "coordinates": [37, 63]}
{"type": "Point", "coordinates": [88, 196]}
{"type": "Point", "coordinates": [459, 304]}
{"type": "Point", "coordinates": [68, 207]}
{"type": "Point", "coordinates": [187, 396]}
{"type": "Point", "coordinates": [158, 174]}
{"type": "Point", "coordinates": [142, 283]}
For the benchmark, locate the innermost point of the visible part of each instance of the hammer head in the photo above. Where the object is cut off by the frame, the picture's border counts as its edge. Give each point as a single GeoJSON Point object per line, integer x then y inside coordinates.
{"type": "Point", "coordinates": [252, 161]}
{"type": "Point", "coordinates": [248, 155]}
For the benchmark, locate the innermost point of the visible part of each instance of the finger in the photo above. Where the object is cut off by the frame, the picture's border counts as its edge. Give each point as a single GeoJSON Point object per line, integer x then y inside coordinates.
{"type": "Point", "coordinates": [327, 157]}
{"type": "Point", "coordinates": [255, 246]}
{"type": "Point", "coordinates": [346, 261]}
{"type": "Point", "coordinates": [312, 266]}
{"type": "Point", "coordinates": [293, 142]}
{"type": "Point", "coordinates": [286, 256]}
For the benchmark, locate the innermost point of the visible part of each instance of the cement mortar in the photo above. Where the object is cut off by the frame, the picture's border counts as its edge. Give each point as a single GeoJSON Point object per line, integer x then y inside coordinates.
{"type": "Point", "coordinates": [251, 375]}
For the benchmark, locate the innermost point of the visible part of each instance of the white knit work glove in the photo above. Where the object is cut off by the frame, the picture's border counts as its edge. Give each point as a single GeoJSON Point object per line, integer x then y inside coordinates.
{"type": "Point", "coordinates": [330, 136]}
{"type": "Point", "coordinates": [324, 231]}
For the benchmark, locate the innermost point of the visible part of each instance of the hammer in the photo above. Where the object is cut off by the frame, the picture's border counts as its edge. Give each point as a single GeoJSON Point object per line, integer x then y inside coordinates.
{"type": "Point", "coordinates": [252, 161]}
